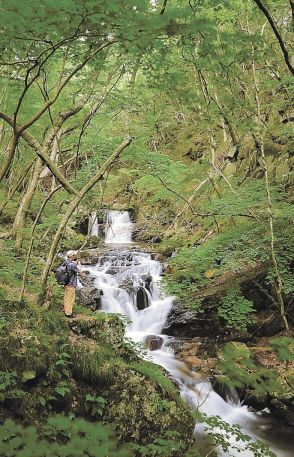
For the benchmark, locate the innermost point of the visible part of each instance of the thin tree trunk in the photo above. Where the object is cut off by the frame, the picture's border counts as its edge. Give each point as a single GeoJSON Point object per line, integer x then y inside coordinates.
{"type": "Point", "coordinates": [14, 189]}
{"type": "Point", "coordinates": [292, 11]}
{"type": "Point", "coordinates": [8, 159]}
{"type": "Point", "coordinates": [72, 207]}
{"type": "Point", "coordinates": [278, 283]}
{"type": "Point", "coordinates": [25, 204]}
{"type": "Point", "coordinates": [24, 278]}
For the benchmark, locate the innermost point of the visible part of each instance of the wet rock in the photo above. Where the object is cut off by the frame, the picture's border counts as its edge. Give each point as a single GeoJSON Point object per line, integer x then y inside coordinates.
{"type": "Point", "coordinates": [198, 353]}
{"type": "Point", "coordinates": [89, 296]}
{"type": "Point", "coordinates": [159, 257]}
{"type": "Point", "coordinates": [142, 300]}
{"type": "Point", "coordinates": [266, 324]}
{"type": "Point", "coordinates": [111, 271]}
{"type": "Point", "coordinates": [89, 260]}
{"type": "Point", "coordinates": [147, 279]}
{"type": "Point", "coordinates": [127, 285]}
{"type": "Point", "coordinates": [183, 321]}
{"type": "Point", "coordinates": [283, 409]}
{"type": "Point", "coordinates": [86, 279]}
{"type": "Point", "coordinates": [203, 366]}
{"type": "Point", "coordinates": [91, 256]}
{"type": "Point", "coordinates": [184, 347]}
{"type": "Point", "coordinates": [153, 342]}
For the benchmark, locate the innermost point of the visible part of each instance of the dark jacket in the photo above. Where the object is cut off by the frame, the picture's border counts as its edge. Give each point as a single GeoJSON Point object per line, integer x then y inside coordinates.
{"type": "Point", "coordinates": [72, 269]}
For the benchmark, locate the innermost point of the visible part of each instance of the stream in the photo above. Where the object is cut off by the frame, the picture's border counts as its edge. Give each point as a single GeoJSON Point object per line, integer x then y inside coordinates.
{"type": "Point", "coordinates": [130, 281]}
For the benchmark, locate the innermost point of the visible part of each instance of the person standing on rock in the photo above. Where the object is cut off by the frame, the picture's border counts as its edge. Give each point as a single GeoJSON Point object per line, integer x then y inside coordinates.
{"type": "Point", "coordinates": [72, 267]}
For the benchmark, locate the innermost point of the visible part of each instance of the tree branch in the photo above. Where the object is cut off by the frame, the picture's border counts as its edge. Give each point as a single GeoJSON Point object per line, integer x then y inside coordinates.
{"type": "Point", "coordinates": [164, 7]}
{"type": "Point", "coordinates": [277, 34]}
{"type": "Point", "coordinates": [61, 86]}
{"type": "Point", "coordinates": [35, 145]}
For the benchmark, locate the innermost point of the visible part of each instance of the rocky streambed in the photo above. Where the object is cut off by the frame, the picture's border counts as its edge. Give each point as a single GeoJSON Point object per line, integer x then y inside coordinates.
{"type": "Point", "coordinates": [197, 336]}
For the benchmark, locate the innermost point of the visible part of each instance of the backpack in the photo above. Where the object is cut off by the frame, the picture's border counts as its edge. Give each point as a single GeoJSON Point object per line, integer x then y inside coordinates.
{"type": "Point", "coordinates": [62, 275]}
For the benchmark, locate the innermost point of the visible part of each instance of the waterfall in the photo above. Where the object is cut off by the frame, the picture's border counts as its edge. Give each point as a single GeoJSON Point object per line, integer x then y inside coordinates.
{"type": "Point", "coordinates": [118, 228]}
{"type": "Point", "coordinates": [93, 225]}
{"type": "Point", "coordinates": [121, 273]}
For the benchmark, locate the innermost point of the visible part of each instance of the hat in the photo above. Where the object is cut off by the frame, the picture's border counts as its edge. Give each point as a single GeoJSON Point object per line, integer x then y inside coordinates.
{"type": "Point", "coordinates": [71, 254]}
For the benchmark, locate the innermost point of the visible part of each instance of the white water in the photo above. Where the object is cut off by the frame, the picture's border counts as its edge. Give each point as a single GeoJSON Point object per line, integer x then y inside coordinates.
{"type": "Point", "coordinates": [93, 225]}
{"type": "Point", "coordinates": [120, 274]}
{"type": "Point", "coordinates": [118, 228]}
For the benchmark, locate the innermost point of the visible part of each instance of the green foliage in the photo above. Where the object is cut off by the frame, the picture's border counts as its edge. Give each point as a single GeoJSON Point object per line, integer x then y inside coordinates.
{"type": "Point", "coordinates": [156, 374]}
{"type": "Point", "coordinates": [167, 446]}
{"type": "Point", "coordinates": [8, 386]}
{"type": "Point", "coordinates": [284, 348]}
{"type": "Point", "coordinates": [95, 405]}
{"type": "Point", "coordinates": [236, 310]}
{"type": "Point", "coordinates": [60, 437]}
{"type": "Point", "coordinates": [62, 389]}
{"type": "Point", "coordinates": [230, 437]}
{"type": "Point", "coordinates": [98, 366]}
{"type": "Point", "coordinates": [239, 370]}
{"type": "Point", "coordinates": [61, 367]}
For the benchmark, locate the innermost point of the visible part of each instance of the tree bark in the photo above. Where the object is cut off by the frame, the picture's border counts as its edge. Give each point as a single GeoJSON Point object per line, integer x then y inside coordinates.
{"type": "Point", "coordinates": [292, 11]}
{"type": "Point", "coordinates": [25, 204]}
{"type": "Point", "coordinates": [73, 205]}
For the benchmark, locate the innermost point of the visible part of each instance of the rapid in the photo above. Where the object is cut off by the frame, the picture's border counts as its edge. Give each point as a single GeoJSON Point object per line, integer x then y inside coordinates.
{"type": "Point", "coordinates": [131, 285]}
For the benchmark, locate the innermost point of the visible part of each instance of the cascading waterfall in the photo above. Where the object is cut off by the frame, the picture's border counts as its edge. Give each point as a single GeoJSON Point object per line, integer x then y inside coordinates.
{"type": "Point", "coordinates": [130, 281]}
{"type": "Point", "coordinates": [118, 227]}
{"type": "Point", "coordinates": [93, 225]}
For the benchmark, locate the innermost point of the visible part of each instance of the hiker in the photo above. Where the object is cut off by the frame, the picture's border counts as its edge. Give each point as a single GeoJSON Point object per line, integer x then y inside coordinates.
{"type": "Point", "coordinates": [72, 267]}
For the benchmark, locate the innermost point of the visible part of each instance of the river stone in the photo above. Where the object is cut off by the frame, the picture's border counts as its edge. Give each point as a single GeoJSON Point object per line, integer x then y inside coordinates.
{"type": "Point", "coordinates": [153, 342]}
{"type": "Point", "coordinates": [111, 271]}
{"type": "Point", "coordinates": [182, 321]}
{"type": "Point", "coordinates": [89, 296]}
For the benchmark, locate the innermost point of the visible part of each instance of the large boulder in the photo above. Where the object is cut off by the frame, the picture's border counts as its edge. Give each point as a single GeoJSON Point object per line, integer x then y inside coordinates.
{"type": "Point", "coordinates": [86, 278]}
{"type": "Point", "coordinates": [89, 296]}
{"type": "Point", "coordinates": [184, 321]}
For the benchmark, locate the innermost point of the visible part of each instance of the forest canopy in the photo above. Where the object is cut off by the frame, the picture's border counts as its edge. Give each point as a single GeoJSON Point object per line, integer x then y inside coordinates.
{"type": "Point", "coordinates": [179, 112]}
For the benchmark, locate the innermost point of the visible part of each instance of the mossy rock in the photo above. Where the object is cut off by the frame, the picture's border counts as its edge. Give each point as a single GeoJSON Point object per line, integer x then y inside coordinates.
{"type": "Point", "coordinates": [101, 325]}
{"type": "Point", "coordinates": [140, 410]}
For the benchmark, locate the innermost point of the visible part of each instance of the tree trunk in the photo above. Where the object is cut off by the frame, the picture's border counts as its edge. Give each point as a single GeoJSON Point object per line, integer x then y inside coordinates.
{"type": "Point", "coordinates": [8, 159]}
{"type": "Point", "coordinates": [24, 279]}
{"type": "Point", "coordinates": [72, 207]}
{"type": "Point", "coordinates": [9, 195]}
{"type": "Point", "coordinates": [25, 204]}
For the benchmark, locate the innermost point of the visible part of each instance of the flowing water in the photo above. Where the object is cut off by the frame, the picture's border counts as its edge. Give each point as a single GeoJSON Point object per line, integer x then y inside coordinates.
{"type": "Point", "coordinates": [93, 225]}
{"type": "Point", "coordinates": [118, 228]}
{"type": "Point", "coordinates": [130, 281]}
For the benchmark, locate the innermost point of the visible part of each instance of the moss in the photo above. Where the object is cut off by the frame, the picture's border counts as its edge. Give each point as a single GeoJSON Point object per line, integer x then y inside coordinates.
{"type": "Point", "coordinates": [157, 375]}
{"type": "Point", "coordinates": [140, 409]}
{"type": "Point", "coordinates": [100, 325]}
{"type": "Point", "coordinates": [96, 364]}
{"type": "Point", "coordinates": [56, 367]}
{"type": "Point", "coordinates": [31, 339]}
